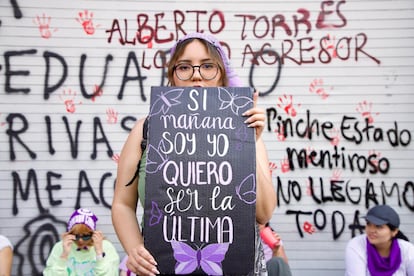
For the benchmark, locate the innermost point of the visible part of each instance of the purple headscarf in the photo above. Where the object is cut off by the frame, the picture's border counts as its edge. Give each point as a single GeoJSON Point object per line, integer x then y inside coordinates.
{"type": "Point", "coordinates": [82, 216]}
{"type": "Point", "coordinates": [234, 80]}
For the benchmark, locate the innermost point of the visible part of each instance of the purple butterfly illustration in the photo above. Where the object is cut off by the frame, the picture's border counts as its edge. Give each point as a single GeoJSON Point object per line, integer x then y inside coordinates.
{"type": "Point", "coordinates": [155, 158]}
{"type": "Point", "coordinates": [235, 102]}
{"type": "Point", "coordinates": [246, 191]}
{"type": "Point", "coordinates": [156, 214]}
{"type": "Point", "coordinates": [165, 100]}
{"type": "Point", "coordinates": [209, 258]}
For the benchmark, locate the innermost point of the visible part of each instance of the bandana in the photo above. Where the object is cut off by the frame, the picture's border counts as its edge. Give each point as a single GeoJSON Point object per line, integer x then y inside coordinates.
{"type": "Point", "coordinates": [234, 80]}
{"type": "Point", "coordinates": [82, 216]}
{"type": "Point", "coordinates": [380, 266]}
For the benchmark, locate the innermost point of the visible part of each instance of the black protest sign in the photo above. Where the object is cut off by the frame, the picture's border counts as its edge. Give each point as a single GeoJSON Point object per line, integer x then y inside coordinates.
{"type": "Point", "coordinates": [200, 194]}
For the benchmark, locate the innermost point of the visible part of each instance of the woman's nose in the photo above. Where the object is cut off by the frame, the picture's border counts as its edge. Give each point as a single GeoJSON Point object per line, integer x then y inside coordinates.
{"type": "Point", "coordinates": [370, 228]}
{"type": "Point", "coordinates": [196, 74]}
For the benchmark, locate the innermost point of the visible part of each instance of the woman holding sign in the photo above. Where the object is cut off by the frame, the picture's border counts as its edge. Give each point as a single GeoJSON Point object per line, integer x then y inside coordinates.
{"type": "Point", "coordinates": [197, 60]}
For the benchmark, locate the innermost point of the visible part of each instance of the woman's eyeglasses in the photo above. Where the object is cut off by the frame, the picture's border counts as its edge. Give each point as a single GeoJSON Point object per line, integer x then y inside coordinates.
{"type": "Point", "coordinates": [185, 71]}
{"type": "Point", "coordinates": [86, 237]}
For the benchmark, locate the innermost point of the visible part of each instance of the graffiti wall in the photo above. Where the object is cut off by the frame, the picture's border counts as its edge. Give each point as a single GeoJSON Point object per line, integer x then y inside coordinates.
{"type": "Point", "coordinates": [336, 81]}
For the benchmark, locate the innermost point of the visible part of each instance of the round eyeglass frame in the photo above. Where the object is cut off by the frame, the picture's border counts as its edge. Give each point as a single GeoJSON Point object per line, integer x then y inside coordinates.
{"type": "Point", "coordinates": [199, 68]}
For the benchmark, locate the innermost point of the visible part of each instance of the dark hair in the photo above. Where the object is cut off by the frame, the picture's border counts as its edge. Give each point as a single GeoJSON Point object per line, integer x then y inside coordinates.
{"type": "Point", "coordinates": [400, 235]}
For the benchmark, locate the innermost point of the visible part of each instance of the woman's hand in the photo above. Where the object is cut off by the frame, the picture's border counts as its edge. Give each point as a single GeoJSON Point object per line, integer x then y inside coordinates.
{"type": "Point", "coordinates": [256, 116]}
{"type": "Point", "coordinates": [98, 238]}
{"type": "Point", "coordinates": [141, 262]}
{"type": "Point", "coordinates": [276, 248]}
{"type": "Point", "coordinates": [67, 240]}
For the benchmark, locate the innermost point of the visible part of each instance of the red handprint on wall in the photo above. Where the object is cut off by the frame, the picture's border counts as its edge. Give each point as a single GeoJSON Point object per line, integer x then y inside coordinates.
{"type": "Point", "coordinates": [286, 103]}
{"type": "Point", "coordinates": [112, 116]}
{"type": "Point", "coordinates": [68, 98]}
{"type": "Point", "coordinates": [308, 227]}
{"type": "Point", "coordinates": [329, 44]}
{"type": "Point", "coordinates": [272, 166]}
{"type": "Point", "coordinates": [280, 133]}
{"type": "Point", "coordinates": [85, 19]}
{"type": "Point", "coordinates": [365, 108]}
{"type": "Point", "coordinates": [285, 165]}
{"type": "Point", "coordinates": [44, 26]}
{"type": "Point", "coordinates": [316, 86]}
{"type": "Point", "coordinates": [97, 92]}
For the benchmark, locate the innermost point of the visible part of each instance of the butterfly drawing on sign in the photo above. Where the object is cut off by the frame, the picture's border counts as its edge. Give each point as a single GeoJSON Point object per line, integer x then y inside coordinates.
{"type": "Point", "coordinates": [246, 191]}
{"type": "Point", "coordinates": [166, 100]}
{"type": "Point", "coordinates": [156, 214]}
{"type": "Point", "coordinates": [156, 158]}
{"type": "Point", "coordinates": [235, 102]}
{"type": "Point", "coordinates": [208, 258]}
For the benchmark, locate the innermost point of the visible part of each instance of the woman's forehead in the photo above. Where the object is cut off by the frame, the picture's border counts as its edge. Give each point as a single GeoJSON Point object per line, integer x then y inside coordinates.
{"type": "Point", "coordinates": [195, 51]}
{"type": "Point", "coordinates": [81, 229]}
